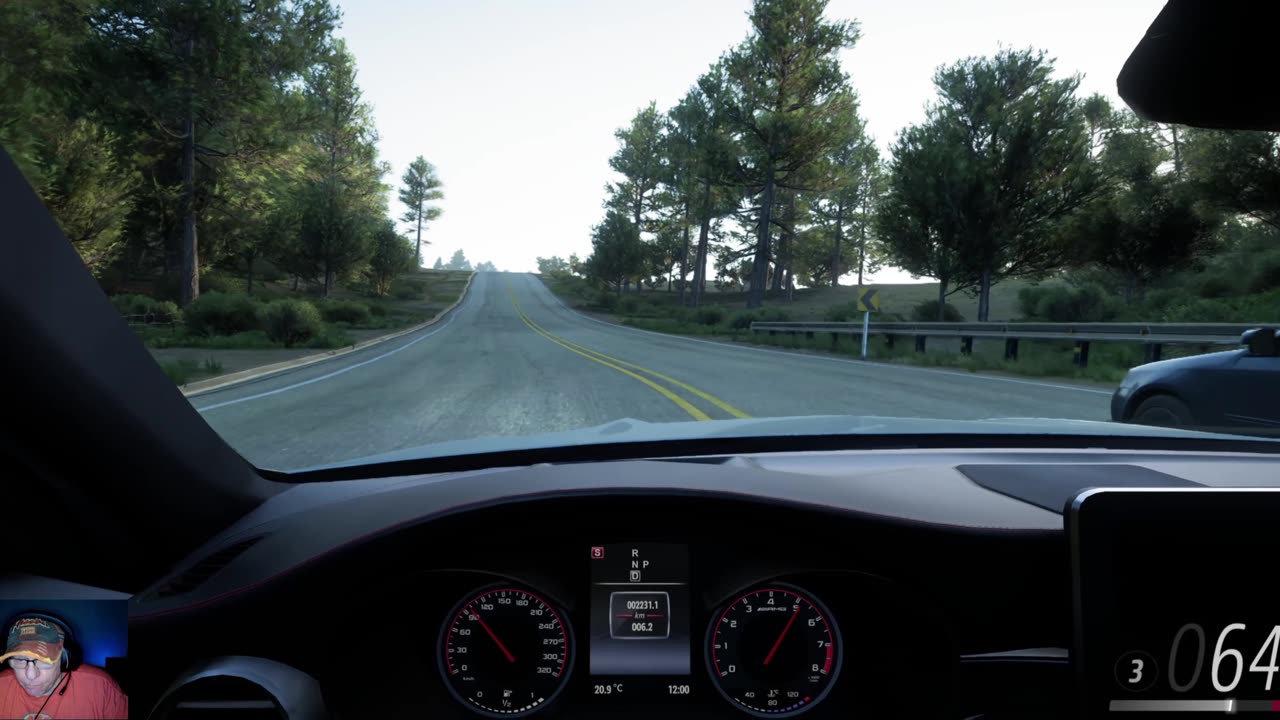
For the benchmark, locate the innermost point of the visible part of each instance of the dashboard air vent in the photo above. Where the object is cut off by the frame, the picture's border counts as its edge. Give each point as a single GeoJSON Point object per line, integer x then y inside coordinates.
{"type": "Point", "coordinates": [220, 698]}
{"type": "Point", "coordinates": [196, 575]}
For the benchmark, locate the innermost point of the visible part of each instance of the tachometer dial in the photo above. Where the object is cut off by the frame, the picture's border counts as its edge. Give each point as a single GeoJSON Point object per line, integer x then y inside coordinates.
{"type": "Point", "coordinates": [505, 652]}
{"type": "Point", "coordinates": [774, 651]}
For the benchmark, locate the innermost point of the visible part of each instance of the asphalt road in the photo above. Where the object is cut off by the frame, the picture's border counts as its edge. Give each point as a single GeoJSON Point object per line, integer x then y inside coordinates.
{"type": "Point", "coordinates": [512, 360]}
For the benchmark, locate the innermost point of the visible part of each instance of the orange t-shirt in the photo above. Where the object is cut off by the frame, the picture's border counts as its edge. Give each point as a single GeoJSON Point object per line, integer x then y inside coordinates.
{"type": "Point", "coordinates": [90, 693]}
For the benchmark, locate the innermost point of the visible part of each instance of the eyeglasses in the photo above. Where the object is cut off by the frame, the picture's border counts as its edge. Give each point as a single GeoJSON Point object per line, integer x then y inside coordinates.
{"type": "Point", "coordinates": [20, 663]}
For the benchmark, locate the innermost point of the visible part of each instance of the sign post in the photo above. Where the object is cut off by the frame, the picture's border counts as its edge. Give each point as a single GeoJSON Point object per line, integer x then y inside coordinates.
{"type": "Point", "coordinates": [866, 325]}
{"type": "Point", "coordinates": [868, 302]}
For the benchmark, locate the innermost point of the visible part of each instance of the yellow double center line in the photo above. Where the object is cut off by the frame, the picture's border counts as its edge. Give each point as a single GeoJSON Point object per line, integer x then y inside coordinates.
{"type": "Point", "coordinates": [622, 365]}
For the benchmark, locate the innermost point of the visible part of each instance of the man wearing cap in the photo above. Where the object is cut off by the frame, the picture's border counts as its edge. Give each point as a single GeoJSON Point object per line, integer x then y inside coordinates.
{"type": "Point", "coordinates": [39, 685]}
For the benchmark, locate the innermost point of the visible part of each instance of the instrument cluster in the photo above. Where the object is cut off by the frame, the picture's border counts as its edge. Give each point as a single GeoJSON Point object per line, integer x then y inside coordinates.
{"type": "Point", "coordinates": [652, 627]}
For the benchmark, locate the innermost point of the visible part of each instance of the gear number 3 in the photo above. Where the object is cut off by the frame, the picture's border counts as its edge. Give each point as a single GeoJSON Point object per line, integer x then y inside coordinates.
{"type": "Point", "coordinates": [1136, 671]}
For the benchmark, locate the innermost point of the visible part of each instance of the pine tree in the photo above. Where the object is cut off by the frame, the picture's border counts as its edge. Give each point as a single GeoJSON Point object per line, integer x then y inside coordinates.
{"type": "Point", "coordinates": [790, 104]}
{"type": "Point", "coordinates": [421, 186]}
{"type": "Point", "coordinates": [196, 76]}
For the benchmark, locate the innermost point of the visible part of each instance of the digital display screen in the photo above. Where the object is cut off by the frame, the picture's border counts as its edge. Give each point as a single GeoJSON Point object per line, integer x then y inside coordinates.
{"type": "Point", "coordinates": [1175, 601]}
{"type": "Point", "coordinates": [640, 624]}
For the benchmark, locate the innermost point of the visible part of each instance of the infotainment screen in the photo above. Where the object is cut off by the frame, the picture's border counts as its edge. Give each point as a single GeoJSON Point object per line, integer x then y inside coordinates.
{"type": "Point", "coordinates": [1177, 600]}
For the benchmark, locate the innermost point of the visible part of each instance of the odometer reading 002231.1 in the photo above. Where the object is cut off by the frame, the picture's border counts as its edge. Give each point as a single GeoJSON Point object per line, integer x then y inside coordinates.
{"type": "Point", "coordinates": [505, 652]}
{"type": "Point", "coordinates": [774, 651]}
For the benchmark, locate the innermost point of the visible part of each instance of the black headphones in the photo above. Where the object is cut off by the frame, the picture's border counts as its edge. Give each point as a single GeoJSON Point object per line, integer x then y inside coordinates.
{"type": "Point", "coordinates": [72, 655]}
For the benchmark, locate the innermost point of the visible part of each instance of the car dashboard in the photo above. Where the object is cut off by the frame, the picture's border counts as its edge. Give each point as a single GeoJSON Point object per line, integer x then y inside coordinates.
{"type": "Point", "coordinates": [889, 584]}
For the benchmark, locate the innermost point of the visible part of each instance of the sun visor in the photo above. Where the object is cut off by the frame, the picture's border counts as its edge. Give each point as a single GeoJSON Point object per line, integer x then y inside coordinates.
{"type": "Point", "coordinates": [1207, 63]}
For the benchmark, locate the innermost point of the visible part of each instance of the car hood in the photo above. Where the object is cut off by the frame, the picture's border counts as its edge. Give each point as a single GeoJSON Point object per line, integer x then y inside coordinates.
{"type": "Point", "coordinates": [631, 430]}
{"type": "Point", "coordinates": [1207, 360]}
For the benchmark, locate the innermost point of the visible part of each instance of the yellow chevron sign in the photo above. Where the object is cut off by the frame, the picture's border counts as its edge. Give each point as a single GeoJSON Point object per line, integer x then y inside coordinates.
{"type": "Point", "coordinates": [868, 299]}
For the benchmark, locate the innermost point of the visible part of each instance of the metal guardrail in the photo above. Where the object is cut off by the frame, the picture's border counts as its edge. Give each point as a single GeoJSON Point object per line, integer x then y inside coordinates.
{"type": "Point", "coordinates": [1153, 336]}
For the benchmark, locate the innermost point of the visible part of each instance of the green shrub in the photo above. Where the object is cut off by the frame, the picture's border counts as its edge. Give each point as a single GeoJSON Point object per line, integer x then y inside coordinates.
{"type": "Point", "coordinates": [1199, 310]}
{"type": "Point", "coordinates": [128, 304]}
{"type": "Point", "coordinates": [179, 371]}
{"type": "Point", "coordinates": [291, 322]}
{"type": "Point", "coordinates": [628, 306]}
{"type": "Point", "coordinates": [378, 310]}
{"type": "Point", "coordinates": [166, 311]}
{"type": "Point", "coordinates": [1261, 308]}
{"type": "Point", "coordinates": [927, 311]}
{"type": "Point", "coordinates": [348, 311]}
{"type": "Point", "coordinates": [658, 309]}
{"type": "Point", "coordinates": [1217, 286]}
{"type": "Point", "coordinates": [1264, 307]}
{"type": "Point", "coordinates": [151, 310]}
{"type": "Point", "coordinates": [332, 337]}
{"type": "Point", "coordinates": [1029, 301]}
{"type": "Point", "coordinates": [710, 316]}
{"type": "Point", "coordinates": [217, 282]}
{"type": "Point", "coordinates": [216, 313]}
{"type": "Point", "coordinates": [402, 289]}
{"type": "Point", "coordinates": [606, 301]}
{"type": "Point", "coordinates": [1266, 276]}
{"type": "Point", "coordinates": [1162, 298]}
{"type": "Point", "coordinates": [1061, 303]}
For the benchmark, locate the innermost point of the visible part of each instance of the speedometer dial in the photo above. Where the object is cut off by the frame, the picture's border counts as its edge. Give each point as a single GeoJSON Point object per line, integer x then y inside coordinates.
{"type": "Point", "coordinates": [505, 652]}
{"type": "Point", "coordinates": [774, 651]}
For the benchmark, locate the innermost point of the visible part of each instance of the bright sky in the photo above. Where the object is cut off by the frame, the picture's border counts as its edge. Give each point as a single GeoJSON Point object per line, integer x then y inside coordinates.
{"type": "Point", "coordinates": [516, 101]}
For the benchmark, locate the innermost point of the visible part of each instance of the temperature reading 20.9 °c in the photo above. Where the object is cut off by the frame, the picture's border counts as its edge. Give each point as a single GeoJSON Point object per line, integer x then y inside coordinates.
{"type": "Point", "coordinates": [774, 651]}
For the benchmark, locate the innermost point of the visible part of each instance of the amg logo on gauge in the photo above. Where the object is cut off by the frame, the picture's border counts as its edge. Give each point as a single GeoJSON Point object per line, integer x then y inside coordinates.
{"type": "Point", "coordinates": [639, 615]}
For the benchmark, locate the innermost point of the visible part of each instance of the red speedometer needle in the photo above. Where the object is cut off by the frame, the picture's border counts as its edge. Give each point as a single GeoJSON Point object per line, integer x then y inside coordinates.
{"type": "Point", "coordinates": [503, 648]}
{"type": "Point", "coordinates": [768, 658]}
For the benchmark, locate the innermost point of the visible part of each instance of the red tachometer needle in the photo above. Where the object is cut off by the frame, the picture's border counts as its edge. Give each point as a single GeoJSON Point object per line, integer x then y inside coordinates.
{"type": "Point", "coordinates": [503, 648]}
{"type": "Point", "coordinates": [768, 658]}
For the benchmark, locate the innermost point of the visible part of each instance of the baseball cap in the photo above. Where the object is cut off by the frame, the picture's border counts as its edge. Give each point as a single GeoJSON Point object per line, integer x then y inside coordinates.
{"type": "Point", "coordinates": [36, 638]}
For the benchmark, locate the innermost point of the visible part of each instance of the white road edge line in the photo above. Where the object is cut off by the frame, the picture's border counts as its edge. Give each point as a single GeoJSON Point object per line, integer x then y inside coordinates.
{"type": "Point", "coordinates": [893, 366]}
{"type": "Point", "coordinates": [335, 373]}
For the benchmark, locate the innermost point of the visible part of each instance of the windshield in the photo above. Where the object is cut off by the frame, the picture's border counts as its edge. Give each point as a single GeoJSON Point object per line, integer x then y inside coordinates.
{"type": "Point", "coordinates": [348, 231]}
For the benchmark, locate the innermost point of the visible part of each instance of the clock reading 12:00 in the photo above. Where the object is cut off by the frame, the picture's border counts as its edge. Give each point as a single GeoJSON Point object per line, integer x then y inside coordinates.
{"type": "Point", "coordinates": [774, 651]}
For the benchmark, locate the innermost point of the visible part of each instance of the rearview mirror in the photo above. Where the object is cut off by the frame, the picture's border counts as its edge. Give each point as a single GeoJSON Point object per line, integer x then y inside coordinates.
{"type": "Point", "coordinates": [1206, 64]}
{"type": "Point", "coordinates": [1260, 341]}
